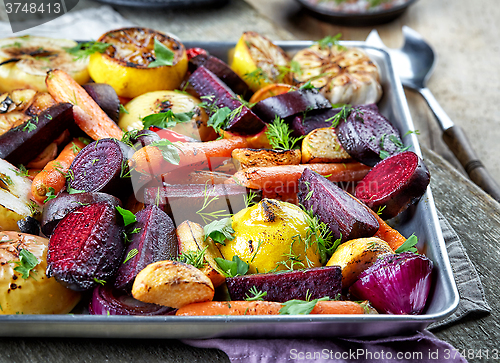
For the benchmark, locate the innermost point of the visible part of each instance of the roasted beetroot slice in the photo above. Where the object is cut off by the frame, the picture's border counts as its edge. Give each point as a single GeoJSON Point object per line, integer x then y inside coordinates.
{"type": "Point", "coordinates": [205, 83]}
{"type": "Point", "coordinates": [105, 96]}
{"type": "Point", "coordinates": [316, 282]}
{"type": "Point", "coordinates": [223, 71]}
{"type": "Point", "coordinates": [346, 218]}
{"type": "Point", "coordinates": [366, 133]}
{"type": "Point", "coordinates": [57, 208]}
{"type": "Point", "coordinates": [314, 120]}
{"type": "Point", "coordinates": [86, 247]}
{"type": "Point", "coordinates": [186, 201]}
{"type": "Point", "coordinates": [155, 241]}
{"type": "Point", "coordinates": [291, 103]}
{"type": "Point", "coordinates": [394, 184]}
{"type": "Point", "coordinates": [101, 166]}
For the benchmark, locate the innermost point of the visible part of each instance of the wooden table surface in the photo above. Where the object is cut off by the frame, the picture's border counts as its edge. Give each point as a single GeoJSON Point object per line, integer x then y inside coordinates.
{"type": "Point", "coordinates": [466, 82]}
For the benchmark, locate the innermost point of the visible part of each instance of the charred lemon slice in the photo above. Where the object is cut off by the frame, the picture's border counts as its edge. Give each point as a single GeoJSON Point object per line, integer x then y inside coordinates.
{"type": "Point", "coordinates": [126, 64]}
{"type": "Point", "coordinates": [343, 75]}
{"type": "Point", "coordinates": [162, 102]}
{"type": "Point", "coordinates": [260, 62]}
{"type": "Point", "coordinates": [25, 61]}
{"type": "Point", "coordinates": [27, 290]}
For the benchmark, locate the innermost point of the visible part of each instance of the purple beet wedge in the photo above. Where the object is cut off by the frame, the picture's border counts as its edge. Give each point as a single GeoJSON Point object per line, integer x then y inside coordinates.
{"type": "Point", "coordinates": [346, 218]}
{"type": "Point", "coordinates": [86, 247]}
{"type": "Point", "coordinates": [207, 84]}
{"type": "Point", "coordinates": [314, 283]}
{"type": "Point", "coordinates": [154, 241]}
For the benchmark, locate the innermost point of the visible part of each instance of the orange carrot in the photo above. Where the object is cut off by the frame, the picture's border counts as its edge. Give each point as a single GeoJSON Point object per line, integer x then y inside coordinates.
{"type": "Point", "coordinates": [149, 159]}
{"type": "Point", "coordinates": [284, 178]}
{"type": "Point", "coordinates": [54, 173]}
{"type": "Point", "coordinates": [385, 232]}
{"type": "Point", "coordinates": [264, 308]}
{"type": "Point", "coordinates": [88, 115]}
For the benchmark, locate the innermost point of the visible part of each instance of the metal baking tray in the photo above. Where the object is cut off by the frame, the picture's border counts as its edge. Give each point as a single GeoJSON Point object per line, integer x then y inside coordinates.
{"type": "Point", "coordinates": [420, 219]}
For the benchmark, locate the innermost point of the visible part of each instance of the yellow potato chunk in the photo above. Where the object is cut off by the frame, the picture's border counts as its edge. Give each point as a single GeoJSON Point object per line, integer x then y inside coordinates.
{"type": "Point", "coordinates": [323, 146]}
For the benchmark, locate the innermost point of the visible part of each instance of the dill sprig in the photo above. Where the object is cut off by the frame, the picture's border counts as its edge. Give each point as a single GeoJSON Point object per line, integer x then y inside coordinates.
{"type": "Point", "coordinates": [278, 132]}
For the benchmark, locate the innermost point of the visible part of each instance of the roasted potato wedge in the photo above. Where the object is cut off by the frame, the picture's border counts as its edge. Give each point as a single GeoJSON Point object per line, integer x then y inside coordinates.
{"type": "Point", "coordinates": [357, 255]}
{"type": "Point", "coordinates": [173, 284]}
{"type": "Point", "coordinates": [246, 158]}
{"type": "Point", "coordinates": [323, 146]}
{"type": "Point", "coordinates": [192, 238]}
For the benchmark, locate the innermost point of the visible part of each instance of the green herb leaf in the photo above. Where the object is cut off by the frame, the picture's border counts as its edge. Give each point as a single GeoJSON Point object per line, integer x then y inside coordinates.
{"type": "Point", "coordinates": [51, 194]}
{"type": "Point", "coordinates": [31, 124]}
{"type": "Point", "coordinates": [27, 262]}
{"type": "Point", "coordinates": [102, 282]}
{"type": "Point", "coordinates": [384, 154]}
{"type": "Point", "coordinates": [128, 216]}
{"type": "Point", "coordinates": [220, 230]}
{"type": "Point", "coordinates": [83, 50]}
{"type": "Point", "coordinates": [163, 55]}
{"type": "Point", "coordinates": [195, 258]}
{"type": "Point", "coordinates": [131, 254]}
{"type": "Point", "coordinates": [166, 119]}
{"type": "Point", "coordinates": [219, 119]}
{"type": "Point", "coordinates": [236, 267]}
{"type": "Point", "coordinates": [123, 109]}
{"type": "Point", "coordinates": [329, 41]}
{"type": "Point", "coordinates": [343, 114]}
{"type": "Point", "coordinates": [74, 191]}
{"type": "Point", "coordinates": [381, 209]}
{"type": "Point", "coordinates": [22, 170]}
{"type": "Point", "coordinates": [278, 132]}
{"type": "Point", "coordinates": [408, 245]}
{"type": "Point", "coordinates": [169, 151]}
{"type": "Point", "coordinates": [255, 295]}
{"type": "Point", "coordinates": [300, 307]}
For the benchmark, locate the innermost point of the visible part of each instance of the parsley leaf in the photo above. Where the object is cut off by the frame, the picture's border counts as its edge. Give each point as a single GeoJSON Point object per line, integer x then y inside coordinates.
{"type": "Point", "coordinates": [409, 245]}
{"type": "Point", "coordinates": [236, 267]}
{"type": "Point", "coordinates": [300, 307]}
{"type": "Point", "coordinates": [27, 262]}
{"type": "Point", "coordinates": [278, 132]}
{"type": "Point", "coordinates": [163, 55]}
{"type": "Point", "coordinates": [83, 50]}
{"type": "Point", "coordinates": [218, 120]}
{"type": "Point", "coordinates": [128, 216]}
{"type": "Point", "coordinates": [219, 231]}
{"type": "Point", "coordinates": [166, 119]}
{"type": "Point", "coordinates": [169, 151]}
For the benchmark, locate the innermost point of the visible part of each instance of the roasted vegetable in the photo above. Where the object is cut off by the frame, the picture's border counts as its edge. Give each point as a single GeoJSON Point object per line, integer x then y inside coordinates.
{"type": "Point", "coordinates": [15, 193]}
{"type": "Point", "coordinates": [272, 235]}
{"type": "Point", "coordinates": [152, 239]}
{"type": "Point", "coordinates": [357, 255]}
{"type": "Point", "coordinates": [345, 217]}
{"type": "Point", "coordinates": [105, 96]}
{"type": "Point", "coordinates": [193, 244]}
{"type": "Point", "coordinates": [394, 184]}
{"type": "Point", "coordinates": [396, 284]}
{"type": "Point", "coordinates": [86, 247]}
{"type": "Point", "coordinates": [323, 146]}
{"type": "Point", "coordinates": [172, 284]}
{"type": "Point", "coordinates": [247, 158]}
{"type": "Point", "coordinates": [304, 284]}
{"type": "Point", "coordinates": [343, 75]}
{"type": "Point", "coordinates": [24, 288]}
{"type": "Point", "coordinates": [23, 143]}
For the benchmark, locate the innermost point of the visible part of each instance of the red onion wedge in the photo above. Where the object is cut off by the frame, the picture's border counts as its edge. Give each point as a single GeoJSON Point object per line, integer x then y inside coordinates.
{"type": "Point", "coordinates": [108, 301]}
{"type": "Point", "coordinates": [396, 284]}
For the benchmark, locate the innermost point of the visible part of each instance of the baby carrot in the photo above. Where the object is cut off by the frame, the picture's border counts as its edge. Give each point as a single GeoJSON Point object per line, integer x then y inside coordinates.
{"type": "Point", "coordinates": [53, 174]}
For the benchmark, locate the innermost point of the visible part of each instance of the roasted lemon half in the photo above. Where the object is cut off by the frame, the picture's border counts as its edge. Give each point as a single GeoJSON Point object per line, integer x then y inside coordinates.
{"type": "Point", "coordinates": [25, 60]}
{"type": "Point", "coordinates": [126, 64]}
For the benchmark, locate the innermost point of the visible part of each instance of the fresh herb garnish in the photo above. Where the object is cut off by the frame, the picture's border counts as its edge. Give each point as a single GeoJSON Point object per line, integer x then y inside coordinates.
{"type": "Point", "coordinates": [22, 171]}
{"type": "Point", "coordinates": [127, 216]}
{"type": "Point", "coordinates": [219, 119]}
{"type": "Point", "coordinates": [75, 148]}
{"type": "Point", "coordinates": [195, 258]}
{"type": "Point", "coordinates": [329, 41]}
{"type": "Point", "coordinates": [169, 151]}
{"type": "Point", "coordinates": [102, 282]}
{"type": "Point", "coordinates": [256, 76]}
{"type": "Point", "coordinates": [219, 230]}
{"type": "Point", "coordinates": [123, 109]}
{"type": "Point", "coordinates": [381, 209]}
{"type": "Point", "coordinates": [409, 132]}
{"type": "Point", "coordinates": [163, 55]}
{"type": "Point", "coordinates": [51, 194]}
{"type": "Point", "coordinates": [166, 119]}
{"type": "Point", "coordinates": [83, 50]}
{"type": "Point", "coordinates": [236, 267]}
{"type": "Point", "coordinates": [74, 191]}
{"type": "Point", "coordinates": [131, 254]}
{"type": "Point", "coordinates": [343, 114]}
{"type": "Point", "coordinates": [408, 245]}
{"type": "Point", "coordinates": [300, 307]}
{"type": "Point", "coordinates": [208, 199]}
{"type": "Point", "coordinates": [27, 262]}
{"type": "Point", "coordinates": [31, 124]}
{"type": "Point", "coordinates": [278, 132]}
{"type": "Point", "coordinates": [255, 295]}
{"type": "Point", "coordinates": [249, 198]}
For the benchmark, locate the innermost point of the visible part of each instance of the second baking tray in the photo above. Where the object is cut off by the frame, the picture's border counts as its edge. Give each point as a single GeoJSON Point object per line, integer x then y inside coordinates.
{"type": "Point", "coordinates": [420, 219]}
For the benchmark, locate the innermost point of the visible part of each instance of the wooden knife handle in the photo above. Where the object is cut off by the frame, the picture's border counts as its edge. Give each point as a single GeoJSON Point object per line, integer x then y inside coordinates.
{"type": "Point", "coordinates": [458, 143]}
